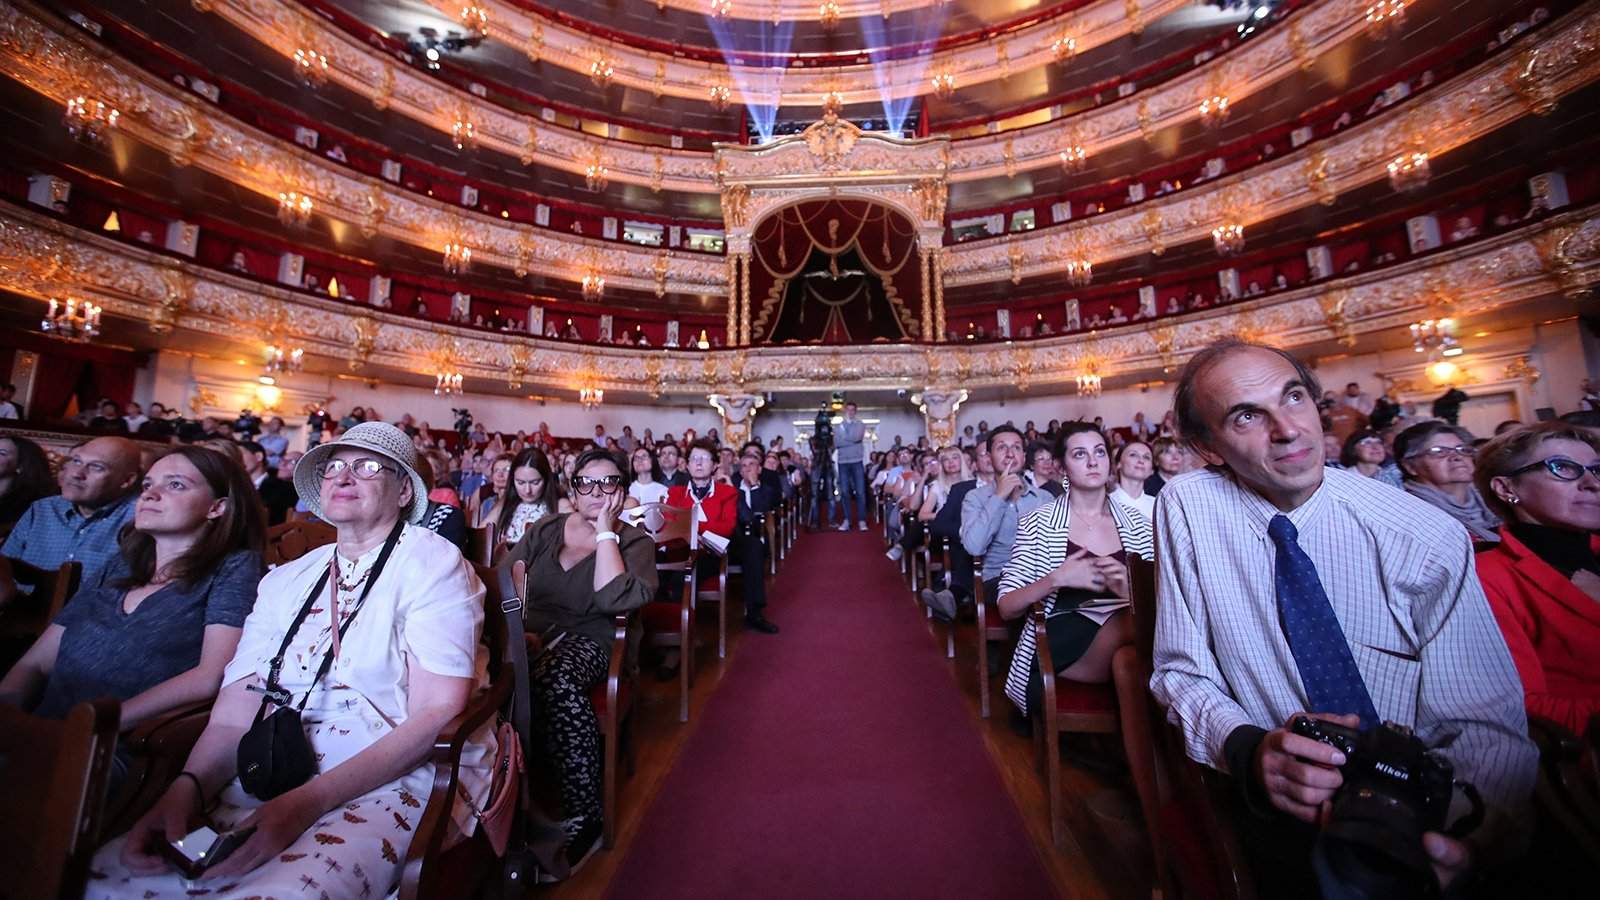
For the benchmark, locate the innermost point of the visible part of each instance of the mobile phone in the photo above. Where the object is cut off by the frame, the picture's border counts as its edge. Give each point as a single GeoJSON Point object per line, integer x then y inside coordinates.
{"type": "Point", "coordinates": [203, 848]}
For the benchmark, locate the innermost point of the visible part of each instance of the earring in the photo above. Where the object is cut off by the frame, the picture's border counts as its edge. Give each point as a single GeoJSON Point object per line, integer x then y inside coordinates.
{"type": "Point", "coordinates": [1514, 499]}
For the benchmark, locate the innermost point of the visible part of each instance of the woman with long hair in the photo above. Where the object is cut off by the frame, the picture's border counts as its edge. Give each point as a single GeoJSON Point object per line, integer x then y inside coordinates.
{"type": "Point", "coordinates": [158, 627]}
{"type": "Point", "coordinates": [24, 476]}
{"type": "Point", "coordinates": [531, 494]}
{"type": "Point", "coordinates": [1072, 556]}
{"type": "Point", "coordinates": [648, 485]}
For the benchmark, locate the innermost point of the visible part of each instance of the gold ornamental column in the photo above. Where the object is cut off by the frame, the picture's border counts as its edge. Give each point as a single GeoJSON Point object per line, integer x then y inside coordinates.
{"type": "Point", "coordinates": [938, 294]}
{"type": "Point", "coordinates": [733, 299]}
{"type": "Point", "coordinates": [938, 406]}
{"type": "Point", "coordinates": [744, 299]}
{"type": "Point", "coordinates": [924, 262]}
{"type": "Point", "coordinates": [738, 414]}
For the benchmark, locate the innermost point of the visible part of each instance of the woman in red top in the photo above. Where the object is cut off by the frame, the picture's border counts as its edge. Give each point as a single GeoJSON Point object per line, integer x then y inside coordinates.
{"type": "Point", "coordinates": [717, 501]}
{"type": "Point", "coordinates": [1543, 579]}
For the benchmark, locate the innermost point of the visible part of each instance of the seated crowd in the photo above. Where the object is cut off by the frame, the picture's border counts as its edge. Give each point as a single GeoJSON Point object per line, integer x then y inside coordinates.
{"type": "Point", "coordinates": [1406, 572]}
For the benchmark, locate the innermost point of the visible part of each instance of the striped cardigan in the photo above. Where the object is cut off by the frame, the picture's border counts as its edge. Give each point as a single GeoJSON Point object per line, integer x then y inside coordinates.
{"type": "Point", "coordinates": [1042, 546]}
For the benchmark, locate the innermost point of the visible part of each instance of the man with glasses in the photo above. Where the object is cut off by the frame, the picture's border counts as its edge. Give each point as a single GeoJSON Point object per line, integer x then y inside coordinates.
{"type": "Point", "coordinates": [81, 524]}
{"type": "Point", "coordinates": [1287, 588]}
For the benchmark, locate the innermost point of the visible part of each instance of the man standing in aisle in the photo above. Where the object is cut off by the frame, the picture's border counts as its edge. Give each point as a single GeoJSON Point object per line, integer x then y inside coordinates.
{"type": "Point", "coordinates": [822, 480]}
{"type": "Point", "coordinates": [847, 439]}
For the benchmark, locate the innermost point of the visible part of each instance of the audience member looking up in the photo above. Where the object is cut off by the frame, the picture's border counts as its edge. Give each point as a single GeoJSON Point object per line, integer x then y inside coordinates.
{"type": "Point", "coordinates": [156, 633]}
{"type": "Point", "coordinates": [1242, 642]}
{"type": "Point", "coordinates": [672, 475]}
{"type": "Point", "coordinates": [647, 486]}
{"type": "Point", "coordinates": [24, 476]}
{"type": "Point", "coordinates": [1543, 578]}
{"type": "Point", "coordinates": [584, 568]}
{"type": "Point", "coordinates": [1072, 555]}
{"type": "Point", "coordinates": [989, 514]}
{"type": "Point", "coordinates": [408, 660]}
{"type": "Point", "coordinates": [1135, 464]}
{"type": "Point", "coordinates": [1436, 458]}
{"type": "Point", "coordinates": [80, 524]}
{"type": "Point", "coordinates": [1172, 458]}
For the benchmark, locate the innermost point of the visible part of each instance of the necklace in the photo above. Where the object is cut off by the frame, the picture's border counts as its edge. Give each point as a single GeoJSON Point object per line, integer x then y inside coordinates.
{"type": "Point", "coordinates": [346, 586]}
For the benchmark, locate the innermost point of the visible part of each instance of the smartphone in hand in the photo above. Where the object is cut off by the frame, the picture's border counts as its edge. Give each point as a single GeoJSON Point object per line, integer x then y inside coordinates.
{"type": "Point", "coordinates": [203, 848]}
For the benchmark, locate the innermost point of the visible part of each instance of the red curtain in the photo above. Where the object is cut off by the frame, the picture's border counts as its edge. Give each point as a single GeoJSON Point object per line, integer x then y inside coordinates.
{"type": "Point", "coordinates": [86, 373]}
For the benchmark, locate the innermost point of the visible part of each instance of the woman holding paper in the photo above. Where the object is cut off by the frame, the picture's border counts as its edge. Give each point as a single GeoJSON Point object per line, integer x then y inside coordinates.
{"type": "Point", "coordinates": [1072, 556]}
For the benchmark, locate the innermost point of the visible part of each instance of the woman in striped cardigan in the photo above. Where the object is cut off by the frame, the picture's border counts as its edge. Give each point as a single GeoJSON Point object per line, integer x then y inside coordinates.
{"type": "Point", "coordinates": [1071, 556]}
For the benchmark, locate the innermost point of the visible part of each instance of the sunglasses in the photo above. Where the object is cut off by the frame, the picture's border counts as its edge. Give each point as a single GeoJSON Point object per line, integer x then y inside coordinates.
{"type": "Point", "coordinates": [607, 484]}
{"type": "Point", "coordinates": [1561, 467]}
{"type": "Point", "coordinates": [1441, 453]}
{"type": "Point", "coordinates": [364, 469]}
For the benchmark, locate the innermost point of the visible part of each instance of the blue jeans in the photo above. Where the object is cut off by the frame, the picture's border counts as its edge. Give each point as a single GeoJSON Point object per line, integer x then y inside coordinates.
{"type": "Point", "coordinates": [853, 484]}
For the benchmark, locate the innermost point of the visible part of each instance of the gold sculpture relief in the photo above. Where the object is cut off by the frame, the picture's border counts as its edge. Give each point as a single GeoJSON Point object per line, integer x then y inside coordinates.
{"type": "Point", "coordinates": [1014, 255]}
{"type": "Point", "coordinates": [662, 265]}
{"type": "Point", "coordinates": [366, 330]}
{"type": "Point", "coordinates": [530, 146]}
{"type": "Point", "coordinates": [1009, 154]}
{"type": "Point", "coordinates": [1335, 315]}
{"type": "Point", "coordinates": [657, 173]}
{"type": "Point", "coordinates": [1299, 47]}
{"type": "Point", "coordinates": [1533, 88]}
{"type": "Point", "coordinates": [652, 376]}
{"type": "Point", "coordinates": [736, 206]}
{"type": "Point", "coordinates": [1135, 20]}
{"type": "Point", "coordinates": [1165, 337]}
{"type": "Point", "coordinates": [931, 194]}
{"type": "Point", "coordinates": [385, 90]}
{"type": "Point", "coordinates": [1152, 224]}
{"type": "Point", "coordinates": [517, 366]}
{"type": "Point", "coordinates": [1316, 168]}
{"type": "Point", "coordinates": [1522, 367]}
{"type": "Point", "coordinates": [177, 287]}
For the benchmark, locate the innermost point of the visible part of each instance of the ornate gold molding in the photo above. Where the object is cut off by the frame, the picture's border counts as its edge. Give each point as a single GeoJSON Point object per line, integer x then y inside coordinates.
{"type": "Point", "coordinates": [40, 257]}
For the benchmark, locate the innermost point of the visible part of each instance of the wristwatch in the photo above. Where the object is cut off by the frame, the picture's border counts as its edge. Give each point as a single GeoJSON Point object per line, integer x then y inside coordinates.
{"type": "Point", "coordinates": [606, 536]}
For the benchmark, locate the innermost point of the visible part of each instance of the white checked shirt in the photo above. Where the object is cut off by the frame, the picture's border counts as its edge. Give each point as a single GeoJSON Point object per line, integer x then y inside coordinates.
{"type": "Point", "coordinates": [1400, 577]}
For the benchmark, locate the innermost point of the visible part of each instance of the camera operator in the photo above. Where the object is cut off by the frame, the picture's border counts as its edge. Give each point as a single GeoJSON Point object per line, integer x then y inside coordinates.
{"type": "Point", "coordinates": [1289, 588]}
{"type": "Point", "coordinates": [247, 426]}
{"type": "Point", "coordinates": [463, 423]}
{"type": "Point", "coordinates": [822, 469]}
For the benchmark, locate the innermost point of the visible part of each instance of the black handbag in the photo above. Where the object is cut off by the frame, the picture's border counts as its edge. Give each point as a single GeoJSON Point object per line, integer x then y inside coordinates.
{"type": "Point", "coordinates": [274, 756]}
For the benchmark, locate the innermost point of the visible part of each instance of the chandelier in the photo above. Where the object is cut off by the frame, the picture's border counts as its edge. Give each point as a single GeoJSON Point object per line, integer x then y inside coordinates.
{"type": "Point", "coordinates": [591, 396]}
{"type": "Point", "coordinates": [446, 383]}
{"type": "Point", "coordinates": [594, 284]}
{"type": "Point", "coordinates": [75, 320]}
{"type": "Point", "coordinates": [475, 19]}
{"type": "Point", "coordinates": [595, 175]}
{"type": "Point", "coordinates": [601, 69]}
{"type": "Point", "coordinates": [463, 133]}
{"type": "Point", "coordinates": [721, 9]}
{"type": "Point", "coordinates": [1064, 48]}
{"type": "Point", "coordinates": [457, 257]}
{"type": "Point", "coordinates": [944, 84]}
{"type": "Point", "coordinates": [1214, 110]}
{"type": "Point", "coordinates": [294, 209]}
{"type": "Point", "coordinates": [1386, 16]}
{"type": "Point", "coordinates": [720, 95]}
{"type": "Point", "coordinates": [1079, 271]}
{"type": "Point", "coordinates": [1089, 383]}
{"type": "Point", "coordinates": [1074, 158]}
{"type": "Point", "coordinates": [1409, 172]}
{"type": "Point", "coordinates": [1436, 336]}
{"type": "Point", "coordinates": [88, 119]}
{"type": "Point", "coordinates": [1228, 238]}
{"type": "Point", "coordinates": [284, 360]}
{"type": "Point", "coordinates": [828, 15]}
{"type": "Point", "coordinates": [310, 67]}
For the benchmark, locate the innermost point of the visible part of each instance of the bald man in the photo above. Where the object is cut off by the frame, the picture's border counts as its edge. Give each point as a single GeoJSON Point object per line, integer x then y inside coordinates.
{"type": "Point", "coordinates": [98, 483]}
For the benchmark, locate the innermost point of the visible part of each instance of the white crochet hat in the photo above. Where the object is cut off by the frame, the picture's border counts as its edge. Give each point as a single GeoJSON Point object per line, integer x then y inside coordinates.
{"type": "Point", "coordinates": [379, 437]}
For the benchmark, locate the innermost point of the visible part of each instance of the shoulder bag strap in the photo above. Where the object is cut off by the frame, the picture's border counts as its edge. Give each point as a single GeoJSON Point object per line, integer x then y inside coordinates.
{"type": "Point", "coordinates": [377, 571]}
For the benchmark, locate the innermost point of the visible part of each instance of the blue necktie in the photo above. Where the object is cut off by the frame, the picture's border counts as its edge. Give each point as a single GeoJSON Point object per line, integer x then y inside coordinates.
{"type": "Point", "coordinates": [1332, 681]}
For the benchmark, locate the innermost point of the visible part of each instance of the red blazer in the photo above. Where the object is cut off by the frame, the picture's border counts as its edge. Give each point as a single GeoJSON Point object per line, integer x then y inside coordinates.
{"type": "Point", "coordinates": [1552, 629]}
{"type": "Point", "coordinates": [721, 509]}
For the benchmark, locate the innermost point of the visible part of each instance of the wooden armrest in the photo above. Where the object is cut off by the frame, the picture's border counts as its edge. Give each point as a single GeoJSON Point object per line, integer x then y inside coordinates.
{"type": "Point", "coordinates": [1041, 656]}
{"type": "Point", "coordinates": [452, 738]}
{"type": "Point", "coordinates": [178, 727]}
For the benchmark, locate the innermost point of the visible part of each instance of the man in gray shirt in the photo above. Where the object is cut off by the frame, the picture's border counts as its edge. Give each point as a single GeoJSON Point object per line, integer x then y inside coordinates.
{"type": "Point", "coordinates": [989, 514]}
{"type": "Point", "coordinates": [847, 438]}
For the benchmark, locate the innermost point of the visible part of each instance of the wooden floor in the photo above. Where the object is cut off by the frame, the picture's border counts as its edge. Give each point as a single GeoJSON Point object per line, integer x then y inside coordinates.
{"type": "Point", "coordinates": [1104, 856]}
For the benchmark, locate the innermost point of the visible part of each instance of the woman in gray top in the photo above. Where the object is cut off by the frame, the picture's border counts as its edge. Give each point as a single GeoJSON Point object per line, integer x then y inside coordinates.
{"type": "Point", "coordinates": [1437, 461]}
{"type": "Point", "coordinates": [156, 630]}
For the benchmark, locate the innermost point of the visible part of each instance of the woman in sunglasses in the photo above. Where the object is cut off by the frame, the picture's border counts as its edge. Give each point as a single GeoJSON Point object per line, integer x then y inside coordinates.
{"type": "Point", "coordinates": [1436, 461]}
{"type": "Point", "coordinates": [584, 568]}
{"type": "Point", "coordinates": [1543, 579]}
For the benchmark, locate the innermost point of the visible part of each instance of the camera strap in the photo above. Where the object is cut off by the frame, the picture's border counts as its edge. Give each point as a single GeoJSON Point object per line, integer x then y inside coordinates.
{"type": "Point", "coordinates": [275, 692]}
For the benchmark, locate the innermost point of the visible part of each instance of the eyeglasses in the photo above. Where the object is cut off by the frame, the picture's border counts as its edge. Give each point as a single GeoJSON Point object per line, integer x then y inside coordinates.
{"type": "Point", "coordinates": [1442, 453]}
{"type": "Point", "coordinates": [365, 469]}
{"type": "Point", "coordinates": [607, 484]}
{"type": "Point", "coordinates": [1561, 467]}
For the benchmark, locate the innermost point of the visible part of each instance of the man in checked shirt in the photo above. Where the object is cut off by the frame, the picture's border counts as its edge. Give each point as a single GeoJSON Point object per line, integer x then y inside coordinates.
{"type": "Point", "coordinates": [1268, 540]}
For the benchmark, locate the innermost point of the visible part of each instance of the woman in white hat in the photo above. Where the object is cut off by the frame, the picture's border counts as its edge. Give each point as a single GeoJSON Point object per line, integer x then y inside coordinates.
{"type": "Point", "coordinates": [372, 698]}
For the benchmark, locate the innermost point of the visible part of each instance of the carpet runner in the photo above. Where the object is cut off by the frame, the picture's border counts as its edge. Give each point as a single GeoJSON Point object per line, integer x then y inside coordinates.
{"type": "Point", "coordinates": [836, 760]}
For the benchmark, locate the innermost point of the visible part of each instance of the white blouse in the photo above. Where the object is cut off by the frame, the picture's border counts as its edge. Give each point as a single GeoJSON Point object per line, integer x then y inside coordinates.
{"type": "Point", "coordinates": [426, 607]}
{"type": "Point", "coordinates": [653, 492]}
{"type": "Point", "coordinates": [525, 514]}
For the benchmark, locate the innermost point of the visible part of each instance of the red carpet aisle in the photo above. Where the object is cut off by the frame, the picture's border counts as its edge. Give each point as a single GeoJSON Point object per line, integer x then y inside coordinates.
{"type": "Point", "coordinates": [837, 760]}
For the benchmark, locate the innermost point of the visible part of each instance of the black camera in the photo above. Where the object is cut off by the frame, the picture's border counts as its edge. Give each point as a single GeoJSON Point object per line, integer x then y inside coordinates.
{"type": "Point", "coordinates": [1395, 788]}
{"type": "Point", "coordinates": [822, 432]}
{"type": "Point", "coordinates": [248, 425]}
{"type": "Point", "coordinates": [463, 422]}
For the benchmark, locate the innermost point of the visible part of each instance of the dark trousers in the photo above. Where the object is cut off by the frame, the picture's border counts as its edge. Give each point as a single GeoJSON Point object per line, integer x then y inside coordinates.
{"type": "Point", "coordinates": [822, 493]}
{"type": "Point", "coordinates": [750, 555]}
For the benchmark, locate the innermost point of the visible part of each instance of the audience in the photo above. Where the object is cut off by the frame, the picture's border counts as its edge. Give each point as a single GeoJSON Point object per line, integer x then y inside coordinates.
{"type": "Point", "coordinates": [989, 514]}
{"type": "Point", "coordinates": [584, 568]}
{"type": "Point", "coordinates": [1543, 578]}
{"type": "Point", "coordinates": [497, 487]}
{"type": "Point", "coordinates": [647, 486]}
{"type": "Point", "coordinates": [1436, 458]}
{"type": "Point", "coordinates": [277, 494]}
{"type": "Point", "coordinates": [1280, 584]}
{"type": "Point", "coordinates": [530, 495]}
{"type": "Point", "coordinates": [9, 407]}
{"type": "Point", "coordinates": [156, 633]}
{"type": "Point", "coordinates": [1363, 453]}
{"type": "Point", "coordinates": [408, 669]}
{"type": "Point", "coordinates": [1172, 458]}
{"type": "Point", "coordinates": [81, 523]}
{"type": "Point", "coordinates": [24, 477]}
{"type": "Point", "coordinates": [748, 544]}
{"type": "Point", "coordinates": [1134, 464]}
{"type": "Point", "coordinates": [1071, 555]}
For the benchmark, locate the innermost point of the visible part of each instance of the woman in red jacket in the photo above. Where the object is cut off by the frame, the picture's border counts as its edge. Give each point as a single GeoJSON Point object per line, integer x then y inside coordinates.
{"type": "Point", "coordinates": [1543, 579]}
{"type": "Point", "coordinates": [716, 502]}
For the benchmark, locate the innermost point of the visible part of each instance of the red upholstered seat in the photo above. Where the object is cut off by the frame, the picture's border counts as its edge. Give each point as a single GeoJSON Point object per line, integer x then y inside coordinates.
{"type": "Point", "coordinates": [1077, 697]}
{"type": "Point", "coordinates": [660, 618]}
{"type": "Point", "coordinates": [1189, 850]}
{"type": "Point", "coordinates": [597, 696]}
{"type": "Point", "coordinates": [992, 620]}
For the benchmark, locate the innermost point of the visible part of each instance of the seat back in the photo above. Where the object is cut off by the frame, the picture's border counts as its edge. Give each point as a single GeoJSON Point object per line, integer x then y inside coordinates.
{"type": "Point", "coordinates": [28, 616]}
{"type": "Point", "coordinates": [669, 527]}
{"type": "Point", "coordinates": [292, 540]}
{"type": "Point", "coordinates": [55, 772]}
{"type": "Point", "coordinates": [481, 544]}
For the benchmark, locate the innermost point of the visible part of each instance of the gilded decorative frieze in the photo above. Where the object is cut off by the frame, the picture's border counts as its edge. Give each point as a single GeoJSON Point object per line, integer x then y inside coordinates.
{"type": "Point", "coordinates": [40, 257]}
